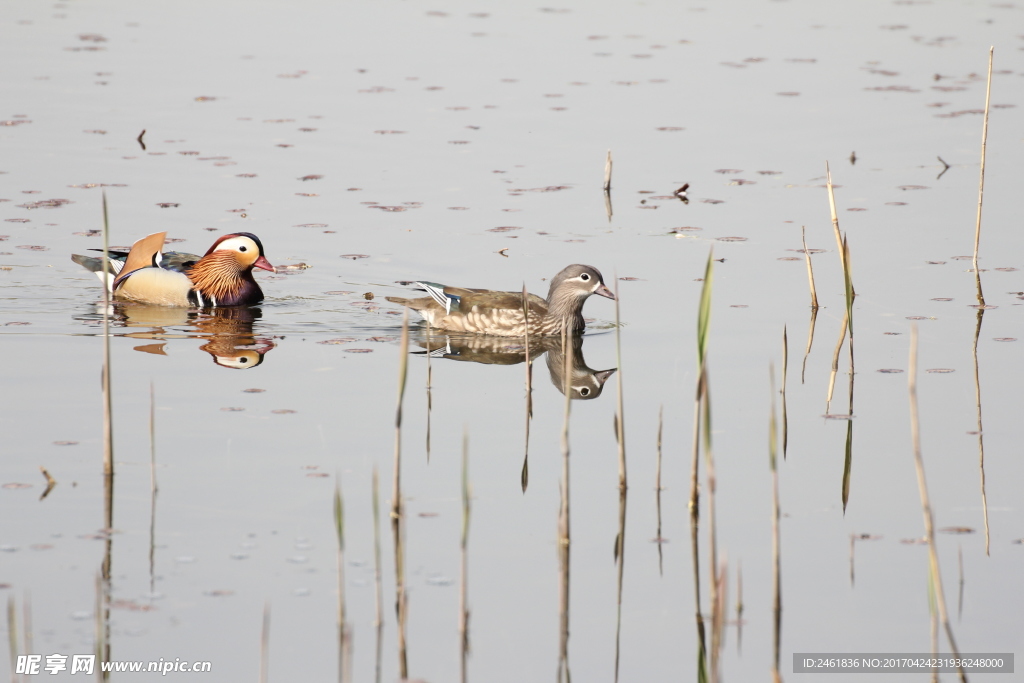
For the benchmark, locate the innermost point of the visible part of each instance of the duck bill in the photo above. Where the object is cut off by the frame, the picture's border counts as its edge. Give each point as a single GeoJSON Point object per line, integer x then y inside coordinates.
{"type": "Point", "coordinates": [263, 263]}
{"type": "Point", "coordinates": [605, 292]}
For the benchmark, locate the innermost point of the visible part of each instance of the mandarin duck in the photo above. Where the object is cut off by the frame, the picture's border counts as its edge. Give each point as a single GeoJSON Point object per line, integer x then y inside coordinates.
{"type": "Point", "coordinates": [221, 277]}
{"type": "Point", "coordinates": [484, 311]}
{"type": "Point", "coordinates": [585, 382]}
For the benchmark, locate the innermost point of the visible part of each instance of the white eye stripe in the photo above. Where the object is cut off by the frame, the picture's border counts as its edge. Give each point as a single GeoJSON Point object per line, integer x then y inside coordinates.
{"type": "Point", "coordinates": [239, 244]}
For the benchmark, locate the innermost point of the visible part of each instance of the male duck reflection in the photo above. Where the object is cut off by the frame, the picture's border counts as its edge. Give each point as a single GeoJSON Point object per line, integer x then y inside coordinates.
{"type": "Point", "coordinates": [484, 311]}
{"type": "Point", "coordinates": [227, 332]}
{"type": "Point", "coordinates": [585, 382]}
{"type": "Point", "coordinates": [221, 277]}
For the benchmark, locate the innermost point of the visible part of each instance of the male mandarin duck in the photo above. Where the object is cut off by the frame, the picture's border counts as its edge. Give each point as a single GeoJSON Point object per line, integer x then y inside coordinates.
{"type": "Point", "coordinates": [483, 311]}
{"type": "Point", "coordinates": [221, 277]}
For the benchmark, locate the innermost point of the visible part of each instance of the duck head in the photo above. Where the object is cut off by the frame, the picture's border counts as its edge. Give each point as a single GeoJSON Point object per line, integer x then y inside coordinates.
{"type": "Point", "coordinates": [244, 248]}
{"type": "Point", "coordinates": [577, 282]}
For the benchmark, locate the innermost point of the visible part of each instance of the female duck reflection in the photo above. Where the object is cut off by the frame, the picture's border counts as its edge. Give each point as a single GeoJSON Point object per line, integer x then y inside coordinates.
{"type": "Point", "coordinates": [228, 331]}
{"type": "Point", "coordinates": [585, 382]}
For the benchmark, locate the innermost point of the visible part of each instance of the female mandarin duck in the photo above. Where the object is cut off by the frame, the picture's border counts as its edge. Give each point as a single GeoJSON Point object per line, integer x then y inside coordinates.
{"type": "Point", "coordinates": [221, 277]}
{"type": "Point", "coordinates": [483, 311]}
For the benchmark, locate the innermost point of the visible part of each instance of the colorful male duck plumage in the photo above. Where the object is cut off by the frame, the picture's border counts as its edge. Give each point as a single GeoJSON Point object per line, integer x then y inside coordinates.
{"type": "Point", "coordinates": [484, 311]}
{"type": "Point", "coordinates": [221, 277]}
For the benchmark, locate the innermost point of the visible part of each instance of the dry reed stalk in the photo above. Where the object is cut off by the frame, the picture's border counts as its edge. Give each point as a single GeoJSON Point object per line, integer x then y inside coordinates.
{"type": "Point", "coordinates": [265, 644]}
{"type": "Point", "coordinates": [980, 429]}
{"type": "Point", "coordinates": [26, 616]}
{"type": "Point", "coordinates": [785, 369]}
{"type": "Point", "coordinates": [378, 589]}
{"type": "Point", "coordinates": [810, 342]}
{"type": "Point", "coordinates": [344, 662]}
{"type": "Point", "coordinates": [835, 359]}
{"type": "Point", "coordinates": [718, 610]}
{"type": "Point", "coordinates": [981, 179]}
{"type": "Point", "coordinates": [657, 496]}
{"type": "Point", "coordinates": [701, 425]}
{"type": "Point", "coordinates": [464, 561]}
{"type": "Point", "coordinates": [960, 564]}
{"type": "Point", "coordinates": [776, 547]}
{"type": "Point", "coordinates": [524, 478]}
{"type": "Point", "coordinates": [620, 560]}
{"type": "Point", "coordinates": [12, 635]}
{"type": "Point", "coordinates": [564, 538]}
{"type": "Point", "coordinates": [430, 403]}
{"type": "Point", "coordinates": [810, 270]}
{"type": "Point", "coordinates": [153, 489]}
{"type": "Point", "coordinates": [712, 526]}
{"type": "Point", "coordinates": [620, 416]}
{"type": "Point", "coordinates": [397, 508]}
{"type": "Point", "coordinates": [832, 209]}
{"type": "Point", "coordinates": [608, 172]}
{"type": "Point", "coordinates": [739, 607]}
{"type": "Point", "coordinates": [108, 413]}
{"type": "Point", "coordinates": [935, 576]}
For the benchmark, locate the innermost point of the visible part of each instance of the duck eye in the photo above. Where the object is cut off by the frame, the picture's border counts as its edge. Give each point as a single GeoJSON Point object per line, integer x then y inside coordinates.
{"type": "Point", "coordinates": [585, 277]}
{"type": "Point", "coordinates": [243, 248]}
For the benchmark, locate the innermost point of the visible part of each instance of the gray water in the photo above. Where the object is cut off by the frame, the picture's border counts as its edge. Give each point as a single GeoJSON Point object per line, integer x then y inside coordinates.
{"type": "Point", "coordinates": [428, 126]}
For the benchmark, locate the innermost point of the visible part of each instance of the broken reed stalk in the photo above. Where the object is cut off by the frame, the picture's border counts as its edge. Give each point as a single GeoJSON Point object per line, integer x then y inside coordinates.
{"type": "Point", "coordinates": [935, 576]}
{"type": "Point", "coordinates": [525, 476]}
{"type": "Point", "coordinates": [464, 560]}
{"type": "Point", "coordinates": [265, 644]}
{"type": "Point", "coordinates": [840, 241]}
{"type": "Point", "coordinates": [776, 563]}
{"type": "Point", "coordinates": [835, 359]}
{"type": "Point", "coordinates": [344, 674]}
{"type": "Point", "coordinates": [108, 428]}
{"type": "Point", "coordinates": [608, 172]}
{"type": "Point", "coordinates": [397, 509]}
{"type": "Point", "coordinates": [620, 416]}
{"type": "Point", "coordinates": [981, 179]}
{"type": "Point", "coordinates": [810, 270]}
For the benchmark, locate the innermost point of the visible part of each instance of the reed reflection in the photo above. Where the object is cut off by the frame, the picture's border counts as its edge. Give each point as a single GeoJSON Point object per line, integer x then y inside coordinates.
{"type": "Point", "coordinates": [585, 382]}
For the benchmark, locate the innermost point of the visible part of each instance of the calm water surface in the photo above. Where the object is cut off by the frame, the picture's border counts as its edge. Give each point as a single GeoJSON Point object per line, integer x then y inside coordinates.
{"type": "Point", "coordinates": [465, 143]}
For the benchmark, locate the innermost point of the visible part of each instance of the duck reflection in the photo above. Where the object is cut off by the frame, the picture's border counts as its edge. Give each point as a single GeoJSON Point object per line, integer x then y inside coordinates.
{"type": "Point", "coordinates": [228, 331]}
{"type": "Point", "coordinates": [586, 383]}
